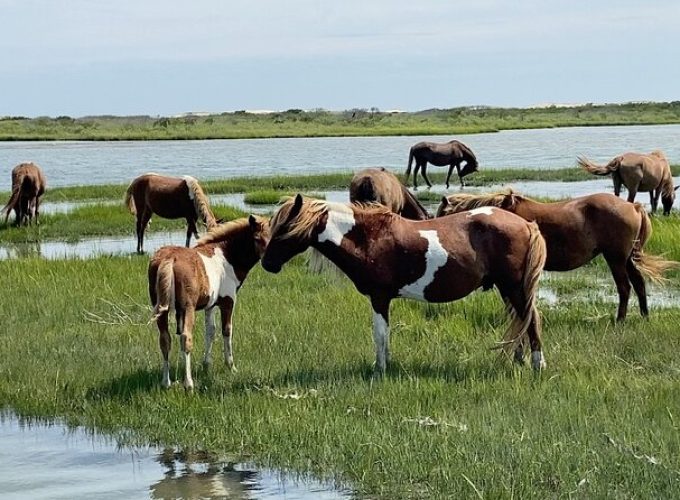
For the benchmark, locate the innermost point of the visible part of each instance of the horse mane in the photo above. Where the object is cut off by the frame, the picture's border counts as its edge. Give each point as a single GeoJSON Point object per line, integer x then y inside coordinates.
{"type": "Point", "coordinates": [467, 151]}
{"type": "Point", "coordinates": [200, 200]}
{"type": "Point", "coordinates": [461, 202]}
{"type": "Point", "coordinates": [220, 232]}
{"type": "Point", "coordinates": [659, 154]}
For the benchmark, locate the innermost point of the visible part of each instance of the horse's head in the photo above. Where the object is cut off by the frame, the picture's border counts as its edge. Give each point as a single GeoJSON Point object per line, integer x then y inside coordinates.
{"type": "Point", "coordinates": [290, 234]}
{"type": "Point", "coordinates": [260, 229]}
{"type": "Point", "coordinates": [667, 199]}
{"type": "Point", "coordinates": [470, 167]}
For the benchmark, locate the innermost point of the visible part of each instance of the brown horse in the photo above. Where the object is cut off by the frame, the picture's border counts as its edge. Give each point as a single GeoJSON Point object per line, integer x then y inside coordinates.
{"type": "Point", "coordinates": [377, 185]}
{"type": "Point", "coordinates": [171, 198]}
{"type": "Point", "coordinates": [578, 230]}
{"type": "Point", "coordinates": [451, 153]}
{"type": "Point", "coordinates": [206, 276]}
{"type": "Point", "coordinates": [28, 185]}
{"type": "Point", "coordinates": [437, 260]}
{"type": "Point", "coordinates": [639, 172]}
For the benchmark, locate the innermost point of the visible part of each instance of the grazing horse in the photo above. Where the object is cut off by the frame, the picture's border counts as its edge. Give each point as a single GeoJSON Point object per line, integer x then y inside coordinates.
{"type": "Point", "coordinates": [171, 198]}
{"type": "Point", "coordinates": [28, 185]}
{"type": "Point", "coordinates": [578, 230]}
{"type": "Point", "coordinates": [451, 153]}
{"type": "Point", "coordinates": [206, 276]}
{"type": "Point", "coordinates": [639, 172]}
{"type": "Point", "coordinates": [436, 260]}
{"type": "Point", "coordinates": [377, 185]}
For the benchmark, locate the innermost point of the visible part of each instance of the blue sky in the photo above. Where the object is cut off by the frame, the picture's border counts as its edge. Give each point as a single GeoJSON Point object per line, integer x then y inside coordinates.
{"type": "Point", "coordinates": [84, 57]}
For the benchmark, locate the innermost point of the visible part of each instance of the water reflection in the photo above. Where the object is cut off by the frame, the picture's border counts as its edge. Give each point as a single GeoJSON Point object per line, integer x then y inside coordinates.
{"type": "Point", "coordinates": [40, 460]}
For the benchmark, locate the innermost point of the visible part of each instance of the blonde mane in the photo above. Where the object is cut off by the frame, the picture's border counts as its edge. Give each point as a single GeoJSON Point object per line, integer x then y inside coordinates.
{"type": "Point", "coordinates": [463, 201]}
{"type": "Point", "coordinates": [200, 200]}
{"type": "Point", "coordinates": [220, 232]}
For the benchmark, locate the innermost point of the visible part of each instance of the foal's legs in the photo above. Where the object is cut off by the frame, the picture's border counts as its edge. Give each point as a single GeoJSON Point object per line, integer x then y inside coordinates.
{"type": "Point", "coordinates": [165, 343]}
{"type": "Point", "coordinates": [226, 311]}
{"type": "Point", "coordinates": [209, 335]}
{"type": "Point", "coordinates": [617, 265]}
{"type": "Point", "coordinates": [186, 343]}
{"type": "Point", "coordinates": [638, 282]}
{"type": "Point", "coordinates": [381, 333]}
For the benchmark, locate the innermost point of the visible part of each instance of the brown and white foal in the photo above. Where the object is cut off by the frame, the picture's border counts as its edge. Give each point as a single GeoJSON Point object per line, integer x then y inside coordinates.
{"type": "Point", "coordinates": [206, 276]}
{"type": "Point", "coordinates": [437, 260]}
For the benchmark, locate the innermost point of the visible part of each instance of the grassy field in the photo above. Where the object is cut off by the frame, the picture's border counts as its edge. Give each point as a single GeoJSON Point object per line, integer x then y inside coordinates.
{"type": "Point", "coordinates": [450, 419]}
{"type": "Point", "coordinates": [321, 123]}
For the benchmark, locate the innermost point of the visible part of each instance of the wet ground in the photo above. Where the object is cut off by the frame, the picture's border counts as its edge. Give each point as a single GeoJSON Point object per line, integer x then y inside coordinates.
{"type": "Point", "coordinates": [51, 461]}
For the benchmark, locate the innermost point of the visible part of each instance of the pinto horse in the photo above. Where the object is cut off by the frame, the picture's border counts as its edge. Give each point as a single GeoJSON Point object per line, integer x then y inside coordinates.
{"type": "Point", "coordinates": [377, 185]}
{"type": "Point", "coordinates": [437, 260]}
{"type": "Point", "coordinates": [639, 172]}
{"type": "Point", "coordinates": [171, 198]}
{"type": "Point", "coordinates": [451, 153]}
{"type": "Point", "coordinates": [207, 277]}
{"type": "Point", "coordinates": [28, 185]}
{"type": "Point", "coordinates": [578, 230]}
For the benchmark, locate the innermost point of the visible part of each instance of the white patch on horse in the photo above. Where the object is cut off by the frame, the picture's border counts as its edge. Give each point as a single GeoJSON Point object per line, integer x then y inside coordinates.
{"type": "Point", "coordinates": [190, 181]}
{"type": "Point", "coordinates": [381, 331]}
{"type": "Point", "coordinates": [480, 210]}
{"type": "Point", "coordinates": [340, 221]}
{"type": "Point", "coordinates": [222, 280]}
{"type": "Point", "coordinates": [537, 360]}
{"type": "Point", "coordinates": [435, 258]}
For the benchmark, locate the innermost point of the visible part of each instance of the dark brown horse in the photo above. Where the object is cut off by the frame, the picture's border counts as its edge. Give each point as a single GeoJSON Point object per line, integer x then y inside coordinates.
{"type": "Point", "coordinates": [437, 260]}
{"type": "Point", "coordinates": [377, 185]}
{"type": "Point", "coordinates": [639, 172]}
{"type": "Point", "coordinates": [451, 153]}
{"type": "Point", "coordinates": [578, 230]}
{"type": "Point", "coordinates": [171, 198]}
{"type": "Point", "coordinates": [28, 185]}
{"type": "Point", "coordinates": [206, 276]}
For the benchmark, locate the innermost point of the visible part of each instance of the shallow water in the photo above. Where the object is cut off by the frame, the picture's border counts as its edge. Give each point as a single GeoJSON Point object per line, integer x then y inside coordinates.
{"type": "Point", "coordinates": [77, 162]}
{"type": "Point", "coordinates": [51, 461]}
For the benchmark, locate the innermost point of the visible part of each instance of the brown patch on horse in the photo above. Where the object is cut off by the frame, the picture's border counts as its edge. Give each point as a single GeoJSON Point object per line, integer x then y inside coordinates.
{"type": "Point", "coordinates": [578, 230]}
{"type": "Point", "coordinates": [206, 276]}
{"type": "Point", "coordinates": [377, 185]}
{"type": "Point", "coordinates": [437, 260]}
{"type": "Point", "coordinates": [170, 198]}
{"type": "Point", "coordinates": [638, 172]}
{"type": "Point", "coordinates": [28, 185]}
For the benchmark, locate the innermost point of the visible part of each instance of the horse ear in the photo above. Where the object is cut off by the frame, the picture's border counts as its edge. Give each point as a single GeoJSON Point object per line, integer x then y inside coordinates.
{"type": "Point", "coordinates": [252, 221]}
{"type": "Point", "coordinates": [676, 188]}
{"type": "Point", "coordinates": [297, 205]}
{"type": "Point", "coordinates": [445, 201]}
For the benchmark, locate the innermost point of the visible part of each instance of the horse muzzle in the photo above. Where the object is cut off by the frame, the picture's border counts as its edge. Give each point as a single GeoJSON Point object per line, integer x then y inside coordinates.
{"type": "Point", "coordinates": [271, 267]}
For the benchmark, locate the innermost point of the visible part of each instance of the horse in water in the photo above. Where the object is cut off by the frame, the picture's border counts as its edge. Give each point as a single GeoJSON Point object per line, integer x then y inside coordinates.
{"type": "Point", "coordinates": [28, 185]}
{"type": "Point", "coordinates": [451, 153]}
{"type": "Point", "coordinates": [377, 185]}
{"type": "Point", "coordinates": [639, 172]}
{"type": "Point", "coordinates": [578, 230]}
{"type": "Point", "coordinates": [437, 260]}
{"type": "Point", "coordinates": [207, 277]}
{"type": "Point", "coordinates": [171, 198]}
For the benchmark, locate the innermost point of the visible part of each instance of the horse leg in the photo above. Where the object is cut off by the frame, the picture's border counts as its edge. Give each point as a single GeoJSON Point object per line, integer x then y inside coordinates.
{"type": "Point", "coordinates": [617, 266]}
{"type": "Point", "coordinates": [448, 175]}
{"type": "Point", "coordinates": [37, 211]}
{"type": "Point", "coordinates": [191, 229]}
{"type": "Point", "coordinates": [617, 183]}
{"type": "Point", "coordinates": [424, 172]}
{"type": "Point", "coordinates": [415, 175]}
{"type": "Point", "coordinates": [462, 184]}
{"type": "Point", "coordinates": [639, 286]}
{"type": "Point", "coordinates": [209, 335]}
{"type": "Point", "coordinates": [654, 198]}
{"type": "Point", "coordinates": [227, 309]}
{"type": "Point", "coordinates": [515, 296]}
{"type": "Point", "coordinates": [165, 343]}
{"type": "Point", "coordinates": [142, 220]}
{"type": "Point", "coordinates": [381, 333]}
{"type": "Point", "coordinates": [632, 191]}
{"type": "Point", "coordinates": [187, 343]}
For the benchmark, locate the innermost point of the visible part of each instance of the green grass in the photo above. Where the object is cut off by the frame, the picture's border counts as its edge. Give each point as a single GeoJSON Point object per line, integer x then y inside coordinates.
{"type": "Point", "coordinates": [271, 197]}
{"type": "Point", "coordinates": [318, 123]}
{"type": "Point", "coordinates": [449, 418]}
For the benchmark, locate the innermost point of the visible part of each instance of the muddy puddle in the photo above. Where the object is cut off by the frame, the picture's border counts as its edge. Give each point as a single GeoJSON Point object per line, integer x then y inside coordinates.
{"type": "Point", "coordinates": [52, 461]}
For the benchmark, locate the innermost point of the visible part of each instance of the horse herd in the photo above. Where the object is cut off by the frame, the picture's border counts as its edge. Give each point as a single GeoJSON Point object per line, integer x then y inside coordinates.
{"type": "Point", "coordinates": [390, 247]}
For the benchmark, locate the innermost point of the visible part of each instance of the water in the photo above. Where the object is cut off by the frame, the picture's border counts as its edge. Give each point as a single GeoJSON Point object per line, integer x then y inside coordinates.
{"type": "Point", "coordinates": [50, 461]}
{"type": "Point", "coordinates": [76, 163]}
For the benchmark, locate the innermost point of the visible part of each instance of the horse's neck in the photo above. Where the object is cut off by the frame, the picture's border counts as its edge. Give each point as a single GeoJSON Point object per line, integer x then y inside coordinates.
{"type": "Point", "coordinates": [239, 250]}
{"type": "Point", "coordinates": [412, 208]}
{"type": "Point", "coordinates": [529, 209]}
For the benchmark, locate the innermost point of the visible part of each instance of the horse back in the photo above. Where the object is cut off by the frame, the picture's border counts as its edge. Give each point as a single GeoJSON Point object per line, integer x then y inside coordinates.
{"type": "Point", "coordinates": [190, 278]}
{"type": "Point", "coordinates": [167, 197]}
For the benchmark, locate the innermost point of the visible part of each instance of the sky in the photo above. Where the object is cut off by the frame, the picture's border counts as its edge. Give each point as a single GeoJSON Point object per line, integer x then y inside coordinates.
{"type": "Point", "coordinates": [163, 57]}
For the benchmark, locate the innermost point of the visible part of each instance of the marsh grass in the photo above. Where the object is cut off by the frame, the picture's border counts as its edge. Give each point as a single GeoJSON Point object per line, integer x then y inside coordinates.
{"type": "Point", "coordinates": [449, 418]}
{"type": "Point", "coordinates": [271, 197]}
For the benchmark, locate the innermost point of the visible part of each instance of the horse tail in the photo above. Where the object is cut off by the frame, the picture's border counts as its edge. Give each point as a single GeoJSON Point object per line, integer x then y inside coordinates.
{"type": "Point", "coordinates": [410, 163]}
{"type": "Point", "coordinates": [165, 288]}
{"type": "Point", "coordinates": [596, 169]}
{"type": "Point", "coordinates": [365, 192]}
{"type": "Point", "coordinates": [201, 202]}
{"type": "Point", "coordinates": [14, 197]}
{"type": "Point", "coordinates": [129, 200]}
{"type": "Point", "coordinates": [533, 267]}
{"type": "Point", "coordinates": [652, 267]}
